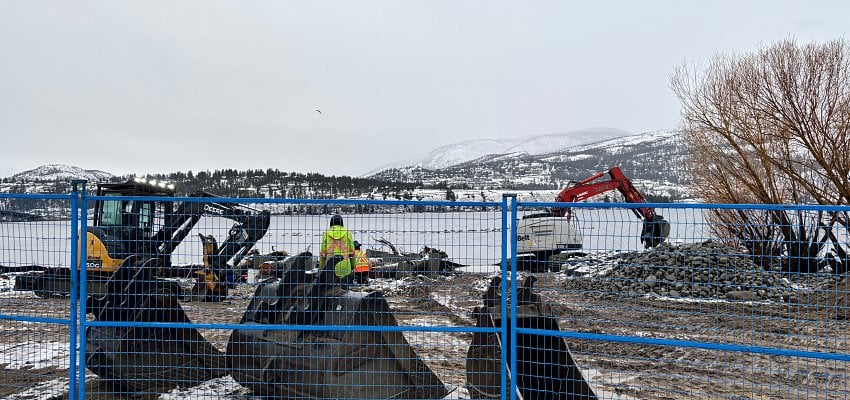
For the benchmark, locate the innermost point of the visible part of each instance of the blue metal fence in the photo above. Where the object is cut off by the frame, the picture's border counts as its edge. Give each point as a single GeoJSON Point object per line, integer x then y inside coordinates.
{"type": "Point", "coordinates": [702, 315]}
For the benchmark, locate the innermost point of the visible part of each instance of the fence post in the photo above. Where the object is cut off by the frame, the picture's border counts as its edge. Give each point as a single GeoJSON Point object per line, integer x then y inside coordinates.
{"type": "Point", "coordinates": [509, 331]}
{"type": "Point", "coordinates": [75, 266]}
{"type": "Point", "coordinates": [504, 305]}
{"type": "Point", "coordinates": [513, 346]}
{"type": "Point", "coordinates": [84, 211]}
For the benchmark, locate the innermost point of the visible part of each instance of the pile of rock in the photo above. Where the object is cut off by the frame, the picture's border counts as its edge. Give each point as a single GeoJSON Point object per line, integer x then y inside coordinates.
{"type": "Point", "coordinates": [698, 270]}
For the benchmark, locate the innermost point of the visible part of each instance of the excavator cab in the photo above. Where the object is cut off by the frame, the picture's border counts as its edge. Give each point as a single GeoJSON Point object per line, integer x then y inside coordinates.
{"type": "Point", "coordinates": [123, 227]}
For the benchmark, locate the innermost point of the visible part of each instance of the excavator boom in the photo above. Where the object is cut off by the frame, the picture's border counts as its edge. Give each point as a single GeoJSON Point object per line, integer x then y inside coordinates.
{"type": "Point", "coordinates": [587, 188]}
{"type": "Point", "coordinates": [655, 228]}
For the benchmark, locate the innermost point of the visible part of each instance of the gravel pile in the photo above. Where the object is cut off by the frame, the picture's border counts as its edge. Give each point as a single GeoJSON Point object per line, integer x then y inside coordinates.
{"type": "Point", "coordinates": [705, 270]}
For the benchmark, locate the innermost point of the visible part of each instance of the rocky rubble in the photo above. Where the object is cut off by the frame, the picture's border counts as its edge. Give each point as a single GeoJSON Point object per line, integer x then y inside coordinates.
{"type": "Point", "coordinates": [705, 270]}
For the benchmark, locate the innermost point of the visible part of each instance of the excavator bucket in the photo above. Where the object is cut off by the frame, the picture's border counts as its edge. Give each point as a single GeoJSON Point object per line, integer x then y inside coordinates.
{"type": "Point", "coordinates": [145, 359]}
{"type": "Point", "coordinates": [545, 367]}
{"type": "Point", "coordinates": [209, 284]}
{"type": "Point", "coordinates": [325, 364]}
{"type": "Point", "coordinates": [655, 231]}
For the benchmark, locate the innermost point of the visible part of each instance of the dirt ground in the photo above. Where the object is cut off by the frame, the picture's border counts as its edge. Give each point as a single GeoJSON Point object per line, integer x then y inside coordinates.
{"type": "Point", "coordinates": [615, 369]}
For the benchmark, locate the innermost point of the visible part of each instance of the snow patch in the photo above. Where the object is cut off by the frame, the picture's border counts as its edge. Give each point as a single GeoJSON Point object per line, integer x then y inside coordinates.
{"type": "Point", "coordinates": [219, 388]}
{"type": "Point", "coordinates": [34, 355]}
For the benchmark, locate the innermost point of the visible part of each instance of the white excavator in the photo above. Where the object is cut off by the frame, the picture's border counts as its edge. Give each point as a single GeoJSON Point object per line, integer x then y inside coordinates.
{"type": "Point", "coordinates": [543, 239]}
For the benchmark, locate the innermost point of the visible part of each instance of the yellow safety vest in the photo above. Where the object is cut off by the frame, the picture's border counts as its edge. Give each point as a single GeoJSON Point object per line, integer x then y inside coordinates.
{"type": "Point", "coordinates": [337, 241]}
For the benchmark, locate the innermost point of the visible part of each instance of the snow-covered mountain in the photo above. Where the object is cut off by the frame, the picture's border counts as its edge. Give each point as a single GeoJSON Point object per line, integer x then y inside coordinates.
{"type": "Point", "coordinates": [60, 172]}
{"type": "Point", "coordinates": [654, 161]}
{"type": "Point", "coordinates": [456, 153]}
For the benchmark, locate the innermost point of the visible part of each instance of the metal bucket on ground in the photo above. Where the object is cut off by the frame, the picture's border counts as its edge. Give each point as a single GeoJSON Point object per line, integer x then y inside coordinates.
{"type": "Point", "coordinates": [144, 359]}
{"type": "Point", "coordinates": [545, 366]}
{"type": "Point", "coordinates": [325, 364]}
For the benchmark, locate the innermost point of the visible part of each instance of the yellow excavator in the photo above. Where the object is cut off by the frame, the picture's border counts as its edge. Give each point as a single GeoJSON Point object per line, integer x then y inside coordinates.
{"type": "Point", "coordinates": [142, 219]}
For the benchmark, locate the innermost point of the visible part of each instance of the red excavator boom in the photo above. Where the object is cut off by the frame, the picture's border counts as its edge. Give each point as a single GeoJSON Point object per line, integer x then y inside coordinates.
{"type": "Point", "coordinates": [655, 228]}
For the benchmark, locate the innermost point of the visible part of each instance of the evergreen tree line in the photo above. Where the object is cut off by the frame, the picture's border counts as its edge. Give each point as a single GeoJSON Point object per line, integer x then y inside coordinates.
{"type": "Point", "coordinates": [273, 183]}
{"type": "Point", "coordinates": [257, 183]}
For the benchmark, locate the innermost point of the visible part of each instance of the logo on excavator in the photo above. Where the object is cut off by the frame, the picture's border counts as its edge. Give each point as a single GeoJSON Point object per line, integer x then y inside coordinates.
{"type": "Point", "coordinates": [209, 208]}
{"type": "Point", "coordinates": [521, 238]}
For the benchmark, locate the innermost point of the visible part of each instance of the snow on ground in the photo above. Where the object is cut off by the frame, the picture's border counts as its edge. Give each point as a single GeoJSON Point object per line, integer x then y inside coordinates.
{"type": "Point", "coordinates": [34, 355]}
{"type": "Point", "coordinates": [7, 287]}
{"type": "Point", "coordinates": [596, 264]}
{"type": "Point", "coordinates": [224, 388]}
{"type": "Point", "coordinates": [696, 300]}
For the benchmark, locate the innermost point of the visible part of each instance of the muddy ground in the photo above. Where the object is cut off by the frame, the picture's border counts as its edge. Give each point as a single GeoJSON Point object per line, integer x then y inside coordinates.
{"type": "Point", "coordinates": [615, 369]}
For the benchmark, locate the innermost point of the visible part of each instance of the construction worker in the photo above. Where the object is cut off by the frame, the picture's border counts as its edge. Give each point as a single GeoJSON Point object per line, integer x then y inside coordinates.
{"type": "Point", "coordinates": [337, 252]}
{"type": "Point", "coordinates": [361, 265]}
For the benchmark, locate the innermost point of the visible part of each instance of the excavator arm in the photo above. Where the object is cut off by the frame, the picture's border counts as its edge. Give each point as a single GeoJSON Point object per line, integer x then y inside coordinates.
{"type": "Point", "coordinates": [249, 226]}
{"type": "Point", "coordinates": [655, 228]}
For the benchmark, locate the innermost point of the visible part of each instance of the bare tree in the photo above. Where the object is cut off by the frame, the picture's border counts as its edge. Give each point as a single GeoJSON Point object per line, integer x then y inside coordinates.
{"type": "Point", "coordinates": [773, 127]}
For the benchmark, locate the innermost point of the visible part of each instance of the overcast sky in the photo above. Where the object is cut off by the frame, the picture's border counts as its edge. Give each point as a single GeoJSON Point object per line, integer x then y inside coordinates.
{"type": "Point", "coordinates": [164, 86]}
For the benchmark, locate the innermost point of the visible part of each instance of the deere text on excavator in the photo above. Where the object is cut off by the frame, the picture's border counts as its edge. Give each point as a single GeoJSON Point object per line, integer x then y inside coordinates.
{"type": "Point", "coordinates": [144, 223]}
{"type": "Point", "coordinates": [545, 238]}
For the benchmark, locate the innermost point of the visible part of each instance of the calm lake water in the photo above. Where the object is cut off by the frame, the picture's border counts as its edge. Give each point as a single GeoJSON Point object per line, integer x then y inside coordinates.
{"type": "Point", "coordinates": [472, 238]}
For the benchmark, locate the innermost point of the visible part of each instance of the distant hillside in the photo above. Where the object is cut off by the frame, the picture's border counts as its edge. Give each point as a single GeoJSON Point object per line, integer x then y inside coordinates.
{"type": "Point", "coordinates": [654, 161]}
{"type": "Point", "coordinates": [457, 153]}
{"type": "Point", "coordinates": [60, 172]}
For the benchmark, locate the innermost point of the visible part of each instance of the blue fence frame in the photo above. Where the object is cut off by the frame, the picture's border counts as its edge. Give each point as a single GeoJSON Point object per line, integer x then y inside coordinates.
{"type": "Point", "coordinates": [509, 209]}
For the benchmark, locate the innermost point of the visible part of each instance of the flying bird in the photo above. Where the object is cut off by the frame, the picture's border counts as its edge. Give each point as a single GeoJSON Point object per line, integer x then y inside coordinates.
{"type": "Point", "coordinates": [319, 111]}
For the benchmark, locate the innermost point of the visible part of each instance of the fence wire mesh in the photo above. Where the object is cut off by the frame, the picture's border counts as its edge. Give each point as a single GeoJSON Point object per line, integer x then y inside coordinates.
{"type": "Point", "coordinates": [206, 297]}
{"type": "Point", "coordinates": [709, 313]}
{"type": "Point", "coordinates": [35, 327]}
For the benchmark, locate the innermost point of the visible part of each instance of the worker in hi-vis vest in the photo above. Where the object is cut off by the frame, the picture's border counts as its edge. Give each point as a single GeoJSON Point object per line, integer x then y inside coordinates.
{"type": "Point", "coordinates": [361, 265]}
{"type": "Point", "coordinates": [337, 251]}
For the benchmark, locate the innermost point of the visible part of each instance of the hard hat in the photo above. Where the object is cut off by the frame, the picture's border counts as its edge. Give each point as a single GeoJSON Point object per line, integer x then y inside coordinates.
{"type": "Point", "coordinates": [336, 220]}
{"type": "Point", "coordinates": [356, 244]}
